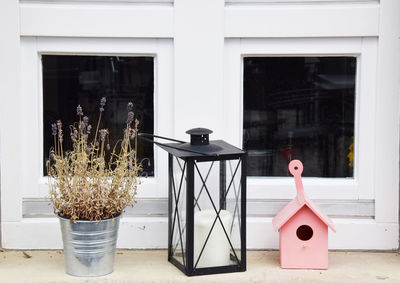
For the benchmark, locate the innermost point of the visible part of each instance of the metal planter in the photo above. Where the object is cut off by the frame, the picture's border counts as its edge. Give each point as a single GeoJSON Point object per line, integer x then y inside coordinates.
{"type": "Point", "coordinates": [89, 246]}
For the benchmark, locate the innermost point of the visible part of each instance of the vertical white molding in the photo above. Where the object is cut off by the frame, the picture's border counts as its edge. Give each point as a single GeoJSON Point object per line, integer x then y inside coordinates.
{"type": "Point", "coordinates": [387, 114]}
{"type": "Point", "coordinates": [11, 122]}
{"type": "Point", "coordinates": [198, 54]}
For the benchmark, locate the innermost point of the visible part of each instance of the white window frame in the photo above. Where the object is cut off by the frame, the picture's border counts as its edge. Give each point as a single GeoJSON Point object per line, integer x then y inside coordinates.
{"type": "Point", "coordinates": [33, 48]}
{"type": "Point", "coordinates": [33, 183]}
{"type": "Point", "coordinates": [364, 49]}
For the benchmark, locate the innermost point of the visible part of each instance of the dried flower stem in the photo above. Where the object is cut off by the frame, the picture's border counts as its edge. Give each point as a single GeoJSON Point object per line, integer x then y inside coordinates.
{"type": "Point", "coordinates": [83, 185]}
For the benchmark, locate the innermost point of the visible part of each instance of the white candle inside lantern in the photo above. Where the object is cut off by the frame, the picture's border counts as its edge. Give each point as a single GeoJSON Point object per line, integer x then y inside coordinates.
{"type": "Point", "coordinates": [217, 249]}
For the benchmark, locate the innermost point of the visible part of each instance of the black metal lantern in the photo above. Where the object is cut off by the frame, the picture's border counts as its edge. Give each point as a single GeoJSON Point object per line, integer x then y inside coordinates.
{"type": "Point", "coordinates": [207, 204]}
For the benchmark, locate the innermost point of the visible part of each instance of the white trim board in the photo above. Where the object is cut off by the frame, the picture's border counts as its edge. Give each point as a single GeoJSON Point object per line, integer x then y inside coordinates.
{"type": "Point", "coordinates": [151, 233]}
{"type": "Point", "coordinates": [106, 20]}
{"type": "Point", "coordinates": [284, 21]}
{"type": "Point", "coordinates": [74, 2]}
{"type": "Point", "coordinates": [255, 208]}
{"type": "Point", "coordinates": [288, 2]}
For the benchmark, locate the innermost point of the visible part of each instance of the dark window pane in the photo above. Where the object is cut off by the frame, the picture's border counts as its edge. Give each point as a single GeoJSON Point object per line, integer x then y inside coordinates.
{"type": "Point", "coordinates": [72, 80]}
{"type": "Point", "coordinates": [299, 108]}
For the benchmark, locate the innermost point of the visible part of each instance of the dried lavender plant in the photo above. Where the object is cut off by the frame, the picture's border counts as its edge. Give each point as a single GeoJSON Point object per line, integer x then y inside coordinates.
{"type": "Point", "coordinates": [83, 185]}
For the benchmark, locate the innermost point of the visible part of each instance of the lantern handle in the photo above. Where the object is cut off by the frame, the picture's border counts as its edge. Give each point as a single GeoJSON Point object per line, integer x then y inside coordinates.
{"type": "Point", "coordinates": [144, 136]}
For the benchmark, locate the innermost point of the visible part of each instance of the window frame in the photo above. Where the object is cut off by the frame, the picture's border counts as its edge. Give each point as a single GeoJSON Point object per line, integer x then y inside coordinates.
{"type": "Point", "coordinates": [32, 48]}
{"type": "Point", "coordinates": [364, 49]}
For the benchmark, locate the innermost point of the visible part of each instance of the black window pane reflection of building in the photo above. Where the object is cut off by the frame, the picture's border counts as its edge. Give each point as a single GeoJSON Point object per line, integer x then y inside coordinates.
{"type": "Point", "coordinates": [299, 108]}
{"type": "Point", "coordinates": [72, 80]}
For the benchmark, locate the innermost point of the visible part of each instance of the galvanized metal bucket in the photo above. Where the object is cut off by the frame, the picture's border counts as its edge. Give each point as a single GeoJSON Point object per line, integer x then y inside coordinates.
{"type": "Point", "coordinates": [89, 246]}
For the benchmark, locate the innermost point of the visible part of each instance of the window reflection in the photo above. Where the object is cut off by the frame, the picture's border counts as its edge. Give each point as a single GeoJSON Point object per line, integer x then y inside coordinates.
{"type": "Point", "coordinates": [72, 80]}
{"type": "Point", "coordinates": [299, 108]}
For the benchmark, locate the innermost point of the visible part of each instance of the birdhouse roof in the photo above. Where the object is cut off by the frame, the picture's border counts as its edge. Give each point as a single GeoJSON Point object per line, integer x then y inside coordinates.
{"type": "Point", "coordinates": [296, 168]}
{"type": "Point", "coordinates": [293, 207]}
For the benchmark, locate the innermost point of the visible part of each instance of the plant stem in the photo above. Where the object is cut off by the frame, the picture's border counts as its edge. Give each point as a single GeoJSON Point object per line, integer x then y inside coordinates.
{"type": "Point", "coordinates": [55, 144]}
{"type": "Point", "coordinates": [97, 129]}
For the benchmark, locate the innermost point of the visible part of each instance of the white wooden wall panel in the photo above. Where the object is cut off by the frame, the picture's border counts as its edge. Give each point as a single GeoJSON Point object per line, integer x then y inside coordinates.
{"type": "Point", "coordinates": [198, 82]}
{"type": "Point", "coordinates": [11, 122]}
{"type": "Point", "coordinates": [102, 20]}
{"type": "Point", "coordinates": [302, 21]}
{"type": "Point", "coordinates": [387, 109]}
{"type": "Point", "coordinates": [198, 52]}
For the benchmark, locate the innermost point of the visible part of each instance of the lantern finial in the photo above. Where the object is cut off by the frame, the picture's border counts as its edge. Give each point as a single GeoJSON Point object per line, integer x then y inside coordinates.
{"type": "Point", "coordinates": [199, 136]}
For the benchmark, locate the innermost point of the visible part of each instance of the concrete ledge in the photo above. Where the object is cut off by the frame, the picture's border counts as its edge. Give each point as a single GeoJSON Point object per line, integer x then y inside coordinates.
{"type": "Point", "coordinates": [152, 266]}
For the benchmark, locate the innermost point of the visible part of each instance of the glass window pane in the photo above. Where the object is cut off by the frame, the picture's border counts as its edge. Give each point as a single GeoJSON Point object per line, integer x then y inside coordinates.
{"type": "Point", "coordinates": [299, 108]}
{"type": "Point", "coordinates": [72, 80]}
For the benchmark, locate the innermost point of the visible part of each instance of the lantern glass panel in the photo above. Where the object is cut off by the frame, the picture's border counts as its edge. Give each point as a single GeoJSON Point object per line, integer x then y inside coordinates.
{"type": "Point", "coordinates": [217, 190]}
{"type": "Point", "coordinates": [233, 202]}
{"type": "Point", "coordinates": [178, 210]}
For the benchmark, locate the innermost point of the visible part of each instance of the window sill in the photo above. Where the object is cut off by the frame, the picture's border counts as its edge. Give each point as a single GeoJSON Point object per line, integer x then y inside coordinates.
{"type": "Point", "coordinates": [152, 266]}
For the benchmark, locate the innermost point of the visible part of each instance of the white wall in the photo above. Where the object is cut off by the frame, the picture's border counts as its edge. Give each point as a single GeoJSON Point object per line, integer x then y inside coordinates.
{"type": "Point", "coordinates": [199, 47]}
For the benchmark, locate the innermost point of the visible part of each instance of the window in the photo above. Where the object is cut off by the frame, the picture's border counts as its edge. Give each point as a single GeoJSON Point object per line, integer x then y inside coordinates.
{"type": "Point", "coordinates": [299, 108]}
{"type": "Point", "coordinates": [70, 80]}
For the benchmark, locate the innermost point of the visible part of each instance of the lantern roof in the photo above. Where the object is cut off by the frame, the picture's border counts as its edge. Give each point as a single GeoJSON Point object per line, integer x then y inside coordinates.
{"type": "Point", "coordinates": [216, 148]}
{"type": "Point", "coordinates": [200, 147]}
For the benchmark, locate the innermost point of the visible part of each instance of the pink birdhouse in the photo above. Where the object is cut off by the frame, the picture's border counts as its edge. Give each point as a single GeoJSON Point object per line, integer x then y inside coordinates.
{"type": "Point", "coordinates": [303, 227]}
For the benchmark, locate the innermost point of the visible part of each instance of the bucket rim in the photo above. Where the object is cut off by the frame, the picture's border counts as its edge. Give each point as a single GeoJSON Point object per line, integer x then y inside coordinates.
{"type": "Point", "coordinates": [113, 218]}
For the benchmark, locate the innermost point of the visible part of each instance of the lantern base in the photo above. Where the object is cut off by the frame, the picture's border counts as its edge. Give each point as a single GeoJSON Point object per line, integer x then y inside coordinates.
{"type": "Point", "coordinates": [207, 270]}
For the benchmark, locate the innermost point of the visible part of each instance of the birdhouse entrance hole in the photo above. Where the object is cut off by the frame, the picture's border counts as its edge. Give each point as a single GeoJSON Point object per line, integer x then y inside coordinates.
{"type": "Point", "coordinates": [304, 232]}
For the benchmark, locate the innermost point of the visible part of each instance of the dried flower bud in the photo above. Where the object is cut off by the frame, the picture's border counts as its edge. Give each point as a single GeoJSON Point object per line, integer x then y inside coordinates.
{"type": "Point", "coordinates": [85, 120]}
{"type": "Point", "coordinates": [88, 129]}
{"type": "Point", "coordinates": [79, 111]}
{"type": "Point", "coordinates": [130, 117]}
{"type": "Point", "coordinates": [103, 134]}
{"type": "Point", "coordinates": [108, 146]}
{"type": "Point", "coordinates": [73, 136]}
{"type": "Point", "coordinates": [82, 127]}
{"type": "Point", "coordinates": [60, 132]}
{"type": "Point", "coordinates": [129, 106]}
{"type": "Point", "coordinates": [54, 129]}
{"type": "Point", "coordinates": [103, 101]}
